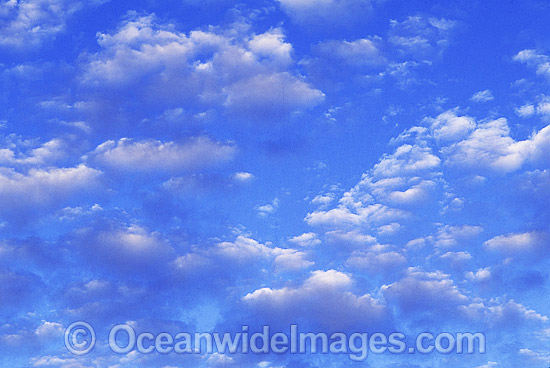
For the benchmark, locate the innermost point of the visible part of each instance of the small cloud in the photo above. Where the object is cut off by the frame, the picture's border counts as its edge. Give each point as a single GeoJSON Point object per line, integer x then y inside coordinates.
{"type": "Point", "coordinates": [526, 110]}
{"type": "Point", "coordinates": [243, 177]}
{"type": "Point", "coordinates": [306, 240]}
{"type": "Point", "coordinates": [268, 209]}
{"type": "Point", "coordinates": [483, 96]}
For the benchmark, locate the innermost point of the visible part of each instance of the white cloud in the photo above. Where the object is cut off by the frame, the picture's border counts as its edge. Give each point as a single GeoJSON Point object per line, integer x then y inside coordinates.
{"type": "Point", "coordinates": [153, 156]}
{"type": "Point", "coordinates": [451, 236]}
{"type": "Point", "coordinates": [483, 96]}
{"type": "Point", "coordinates": [519, 244]}
{"type": "Point", "coordinates": [340, 309]}
{"type": "Point", "coordinates": [447, 126]}
{"type": "Point", "coordinates": [491, 146]}
{"type": "Point", "coordinates": [354, 237]}
{"type": "Point", "coordinates": [45, 154]}
{"type": "Point", "coordinates": [272, 45]}
{"type": "Point", "coordinates": [378, 259]}
{"type": "Point", "coordinates": [306, 240]}
{"type": "Point", "coordinates": [421, 36]}
{"type": "Point", "coordinates": [536, 60]}
{"type": "Point", "coordinates": [290, 260]}
{"type": "Point", "coordinates": [125, 247]}
{"type": "Point", "coordinates": [483, 274]}
{"type": "Point", "coordinates": [41, 187]}
{"type": "Point", "coordinates": [243, 248]}
{"type": "Point", "coordinates": [456, 257]}
{"type": "Point", "coordinates": [526, 110]}
{"type": "Point", "coordinates": [49, 330]}
{"type": "Point", "coordinates": [245, 73]}
{"type": "Point", "coordinates": [421, 291]}
{"type": "Point", "coordinates": [243, 177]}
{"type": "Point", "coordinates": [360, 52]}
{"type": "Point", "coordinates": [29, 23]}
{"type": "Point", "coordinates": [406, 160]}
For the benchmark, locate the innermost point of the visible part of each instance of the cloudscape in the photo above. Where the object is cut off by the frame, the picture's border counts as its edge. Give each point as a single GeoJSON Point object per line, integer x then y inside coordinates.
{"type": "Point", "coordinates": [324, 183]}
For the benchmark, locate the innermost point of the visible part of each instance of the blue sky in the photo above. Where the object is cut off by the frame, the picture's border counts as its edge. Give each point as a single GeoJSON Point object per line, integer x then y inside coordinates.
{"type": "Point", "coordinates": [350, 165]}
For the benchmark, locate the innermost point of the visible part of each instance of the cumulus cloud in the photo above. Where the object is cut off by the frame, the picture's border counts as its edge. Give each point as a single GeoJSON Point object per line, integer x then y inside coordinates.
{"type": "Point", "coordinates": [29, 23]}
{"type": "Point", "coordinates": [340, 309]}
{"type": "Point", "coordinates": [40, 188]}
{"type": "Point", "coordinates": [125, 248]}
{"type": "Point", "coordinates": [243, 177]}
{"type": "Point", "coordinates": [483, 96]}
{"type": "Point", "coordinates": [357, 53]}
{"type": "Point", "coordinates": [536, 60]}
{"type": "Point", "coordinates": [520, 244]}
{"type": "Point", "coordinates": [18, 153]}
{"type": "Point", "coordinates": [154, 156]}
{"type": "Point", "coordinates": [491, 146]}
{"type": "Point", "coordinates": [306, 240]}
{"type": "Point", "coordinates": [447, 126]}
{"type": "Point", "coordinates": [420, 36]}
{"type": "Point", "coordinates": [435, 295]}
{"type": "Point", "coordinates": [248, 74]}
{"type": "Point", "coordinates": [378, 259]}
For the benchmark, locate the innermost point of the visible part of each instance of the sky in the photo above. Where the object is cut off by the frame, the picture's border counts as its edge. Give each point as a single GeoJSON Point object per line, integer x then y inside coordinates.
{"type": "Point", "coordinates": [343, 165]}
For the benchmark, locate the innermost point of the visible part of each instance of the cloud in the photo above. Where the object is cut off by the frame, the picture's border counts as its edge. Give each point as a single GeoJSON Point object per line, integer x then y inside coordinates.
{"type": "Point", "coordinates": [448, 127]}
{"type": "Point", "coordinates": [243, 177]}
{"type": "Point", "coordinates": [41, 188]}
{"type": "Point", "coordinates": [433, 296]}
{"type": "Point", "coordinates": [246, 74]}
{"type": "Point", "coordinates": [340, 308]}
{"type": "Point", "coordinates": [451, 236]}
{"type": "Point", "coordinates": [420, 36]}
{"type": "Point", "coordinates": [156, 156]}
{"type": "Point", "coordinates": [520, 244]}
{"type": "Point", "coordinates": [123, 248]}
{"type": "Point", "coordinates": [536, 60]}
{"type": "Point", "coordinates": [491, 146]}
{"type": "Point", "coordinates": [526, 110]}
{"type": "Point", "coordinates": [30, 23]}
{"type": "Point", "coordinates": [406, 159]}
{"type": "Point", "coordinates": [357, 53]}
{"type": "Point", "coordinates": [306, 240]}
{"type": "Point", "coordinates": [483, 96]}
{"type": "Point", "coordinates": [18, 153]}
{"type": "Point", "coordinates": [378, 259]}
{"type": "Point", "coordinates": [291, 260]}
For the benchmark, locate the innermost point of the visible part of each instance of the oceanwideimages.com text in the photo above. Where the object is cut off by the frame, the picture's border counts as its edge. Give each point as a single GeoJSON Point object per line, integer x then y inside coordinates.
{"type": "Point", "coordinates": [80, 339]}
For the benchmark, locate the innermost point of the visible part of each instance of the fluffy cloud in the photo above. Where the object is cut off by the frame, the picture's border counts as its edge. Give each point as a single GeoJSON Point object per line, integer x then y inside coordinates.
{"type": "Point", "coordinates": [40, 188]}
{"type": "Point", "coordinates": [535, 59]}
{"type": "Point", "coordinates": [491, 146]}
{"type": "Point", "coordinates": [306, 240]}
{"type": "Point", "coordinates": [483, 96]}
{"type": "Point", "coordinates": [340, 308]}
{"type": "Point", "coordinates": [358, 53]}
{"type": "Point", "coordinates": [16, 154]}
{"type": "Point", "coordinates": [521, 244]}
{"type": "Point", "coordinates": [245, 73]}
{"type": "Point", "coordinates": [421, 37]}
{"type": "Point", "coordinates": [31, 22]}
{"type": "Point", "coordinates": [122, 248]}
{"type": "Point", "coordinates": [154, 156]}
{"type": "Point", "coordinates": [378, 259]}
{"type": "Point", "coordinates": [434, 295]}
{"type": "Point", "coordinates": [447, 126]}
